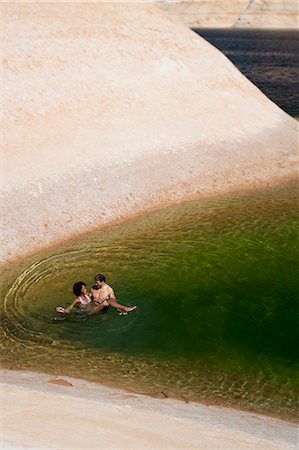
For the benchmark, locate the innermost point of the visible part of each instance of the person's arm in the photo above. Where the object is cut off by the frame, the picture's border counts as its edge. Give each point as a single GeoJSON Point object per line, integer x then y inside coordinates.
{"type": "Point", "coordinates": [69, 308]}
{"type": "Point", "coordinates": [112, 300]}
{"type": "Point", "coordinates": [111, 293]}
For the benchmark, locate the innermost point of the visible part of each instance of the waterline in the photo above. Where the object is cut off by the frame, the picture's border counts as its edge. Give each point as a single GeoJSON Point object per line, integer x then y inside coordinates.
{"type": "Point", "coordinates": [216, 297]}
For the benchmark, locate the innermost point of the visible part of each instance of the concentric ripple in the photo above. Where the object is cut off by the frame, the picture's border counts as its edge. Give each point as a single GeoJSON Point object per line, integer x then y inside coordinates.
{"type": "Point", "coordinates": [216, 292]}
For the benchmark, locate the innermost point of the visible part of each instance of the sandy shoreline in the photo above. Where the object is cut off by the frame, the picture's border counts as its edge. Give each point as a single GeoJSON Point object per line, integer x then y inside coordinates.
{"type": "Point", "coordinates": [39, 411]}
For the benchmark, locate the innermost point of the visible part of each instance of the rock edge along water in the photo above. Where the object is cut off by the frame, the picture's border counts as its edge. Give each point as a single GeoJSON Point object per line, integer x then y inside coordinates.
{"type": "Point", "coordinates": [128, 420]}
{"type": "Point", "coordinates": [112, 110]}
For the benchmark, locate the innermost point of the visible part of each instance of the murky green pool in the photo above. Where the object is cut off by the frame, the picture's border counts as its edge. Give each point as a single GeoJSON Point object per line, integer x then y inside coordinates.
{"type": "Point", "coordinates": [216, 285]}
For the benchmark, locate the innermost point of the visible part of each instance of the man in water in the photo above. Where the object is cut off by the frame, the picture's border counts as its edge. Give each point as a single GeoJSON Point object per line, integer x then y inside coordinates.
{"type": "Point", "coordinates": [106, 293]}
{"type": "Point", "coordinates": [84, 300]}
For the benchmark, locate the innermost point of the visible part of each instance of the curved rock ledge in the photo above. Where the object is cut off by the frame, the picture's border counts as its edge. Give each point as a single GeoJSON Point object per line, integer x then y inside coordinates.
{"type": "Point", "coordinates": [112, 110]}
{"type": "Point", "coordinates": [71, 413]}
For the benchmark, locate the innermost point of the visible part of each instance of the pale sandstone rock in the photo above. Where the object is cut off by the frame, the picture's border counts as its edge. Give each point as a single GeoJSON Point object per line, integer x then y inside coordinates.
{"type": "Point", "coordinates": [112, 110]}
{"type": "Point", "coordinates": [279, 14]}
{"type": "Point", "coordinates": [40, 415]}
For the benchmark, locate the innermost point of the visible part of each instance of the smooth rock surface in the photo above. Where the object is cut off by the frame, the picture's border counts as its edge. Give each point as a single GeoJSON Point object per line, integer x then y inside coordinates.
{"type": "Point", "coordinates": [37, 414]}
{"type": "Point", "coordinates": [113, 110]}
{"type": "Point", "coordinates": [279, 14]}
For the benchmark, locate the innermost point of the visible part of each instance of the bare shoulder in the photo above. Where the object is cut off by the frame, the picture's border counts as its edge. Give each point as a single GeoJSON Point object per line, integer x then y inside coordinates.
{"type": "Point", "coordinates": [109, 288]}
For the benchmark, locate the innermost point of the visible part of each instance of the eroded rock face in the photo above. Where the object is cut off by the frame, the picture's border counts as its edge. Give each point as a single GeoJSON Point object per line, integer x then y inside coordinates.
{"type": "Point", "coordinates": [111, 110]}
{"type": "Point", "coordinates": [282, 14]}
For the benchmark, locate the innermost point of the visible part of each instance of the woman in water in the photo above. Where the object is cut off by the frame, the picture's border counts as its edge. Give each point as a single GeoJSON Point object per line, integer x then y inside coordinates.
{"type": "Point", "coordinates": [83, 300]}
{"type": "Point", "coordinates": [94, 302]}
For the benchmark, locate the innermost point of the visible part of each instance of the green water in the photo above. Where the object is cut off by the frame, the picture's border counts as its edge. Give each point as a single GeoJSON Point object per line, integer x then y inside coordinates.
{"type": "Point", "coordinates": [216, 285]}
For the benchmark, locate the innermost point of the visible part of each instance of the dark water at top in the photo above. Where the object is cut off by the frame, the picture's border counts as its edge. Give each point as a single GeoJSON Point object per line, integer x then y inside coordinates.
{"type": "Point", "coordinates": [269, 58]}
{"type": "Point", "coordinates": [216, 285]}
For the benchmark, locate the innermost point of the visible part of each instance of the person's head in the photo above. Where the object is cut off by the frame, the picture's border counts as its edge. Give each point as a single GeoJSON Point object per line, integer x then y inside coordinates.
{"type": "Point", "coordinates": [79, 288]}
{"type": "Point", "coordinates": [95, 287]}
{"type": "Point", "coordinates": [100, 279]}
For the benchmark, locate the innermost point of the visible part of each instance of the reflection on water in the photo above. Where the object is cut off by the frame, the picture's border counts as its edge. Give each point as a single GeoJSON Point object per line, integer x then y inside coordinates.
{"type": "Point", "coordinates": [216, 291]}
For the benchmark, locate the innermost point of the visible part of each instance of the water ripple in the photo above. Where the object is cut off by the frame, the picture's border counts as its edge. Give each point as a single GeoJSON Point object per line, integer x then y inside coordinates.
{"type": "Point", "coordinates": [211, 279]}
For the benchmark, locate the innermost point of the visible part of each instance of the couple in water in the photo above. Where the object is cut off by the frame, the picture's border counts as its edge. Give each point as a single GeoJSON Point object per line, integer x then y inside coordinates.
{"type": "Point", "coordinates": [100, 297]}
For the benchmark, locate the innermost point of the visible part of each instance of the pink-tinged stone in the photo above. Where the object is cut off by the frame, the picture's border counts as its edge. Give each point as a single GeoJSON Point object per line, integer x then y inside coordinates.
{"type": "Point", "coordinates": [280, 14]}
{"type": "Point", "coordinates": [113, 109]}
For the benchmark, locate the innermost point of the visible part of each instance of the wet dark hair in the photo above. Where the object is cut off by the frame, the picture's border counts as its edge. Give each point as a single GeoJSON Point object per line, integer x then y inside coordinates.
{"type": "Point", "coordinates": [100, 278]}
{"type": "Point", "coordinates": [77, 288]}
{"type": "Point", "coordinates": [95, 287]}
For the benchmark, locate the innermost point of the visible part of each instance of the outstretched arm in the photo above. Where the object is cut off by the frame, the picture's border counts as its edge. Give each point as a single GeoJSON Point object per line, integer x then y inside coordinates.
{"type": "Point", "coordinates": [113, 302]}
{"type": "Point", "coordinates": [69, 308]}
